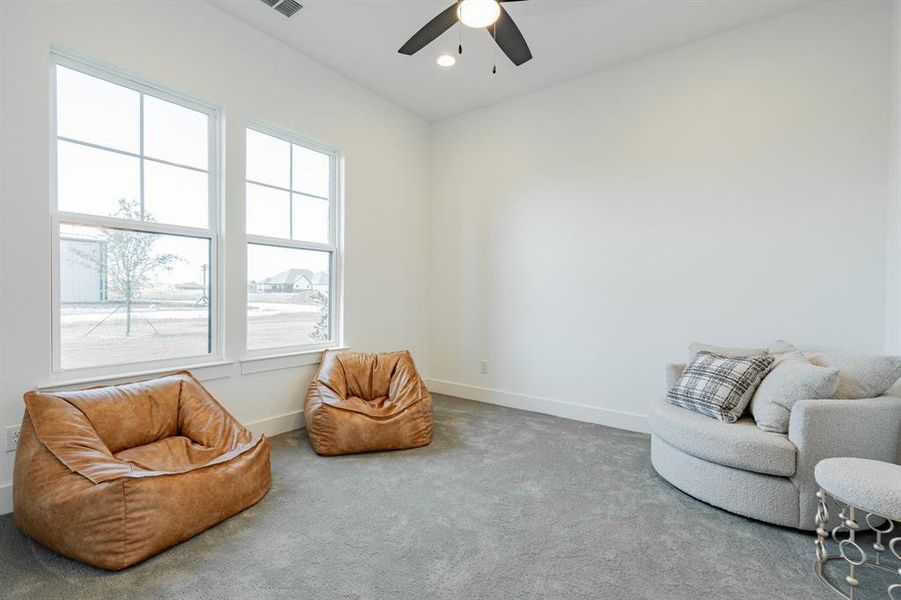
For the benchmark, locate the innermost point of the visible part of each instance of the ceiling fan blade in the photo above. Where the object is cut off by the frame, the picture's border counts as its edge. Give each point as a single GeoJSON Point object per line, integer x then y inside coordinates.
{"type": "Point", "coordinates": [430, 31]}
{"type": "Point", "coordinates": [510, 39]}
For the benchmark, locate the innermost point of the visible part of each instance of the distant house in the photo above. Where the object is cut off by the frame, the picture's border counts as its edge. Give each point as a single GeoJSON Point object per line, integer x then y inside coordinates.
{"type": "Point", "coordinates": [303, 282]}
{"type": "Point", "coordinates": [320, 282]}
{"type": "Point", "coordinates": [293, 280]}
{"type": "Point", "coordinates": [82, 269]}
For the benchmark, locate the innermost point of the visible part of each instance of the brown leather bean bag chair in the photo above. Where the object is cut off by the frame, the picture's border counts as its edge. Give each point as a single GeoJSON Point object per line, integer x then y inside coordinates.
{"type": "Point", "coordinates": [367, 402]}
{"type": "Point", "coordinates": [113, 475]}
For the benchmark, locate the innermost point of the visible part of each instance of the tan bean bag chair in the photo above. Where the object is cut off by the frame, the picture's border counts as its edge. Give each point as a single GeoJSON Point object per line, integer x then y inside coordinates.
{"type": "Point", "coordinates": [367, 402]}
{"type": "Point", "coordinates": [113, 475]}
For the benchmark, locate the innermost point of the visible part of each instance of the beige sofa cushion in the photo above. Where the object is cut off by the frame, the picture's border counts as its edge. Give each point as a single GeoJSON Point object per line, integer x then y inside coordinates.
{"type": "Point", "coordinates": [672, 374]}
{"type": "Point", "coordinates": [793, 378]}
{"type": "Point", "coordinates": [741, 445]}
{"type": "Point", "coordinates": [727, 351]}
{"type": "Point", "coordinates": [861, 376]}
{"type": "Point", "coordinates": [777, 347]}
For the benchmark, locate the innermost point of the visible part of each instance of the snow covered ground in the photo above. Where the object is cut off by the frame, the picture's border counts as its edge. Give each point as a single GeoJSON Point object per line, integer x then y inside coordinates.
{"type": "Point", "coordinates": [94, 334]}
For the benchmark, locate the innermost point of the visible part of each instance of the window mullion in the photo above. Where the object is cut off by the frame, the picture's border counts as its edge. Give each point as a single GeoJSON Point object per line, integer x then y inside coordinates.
{"type": "Point", "coordinates": [285, 243]}
{"type": "Point", "coordinates": [139, 226]}
{"type": "Point", "coordinates": [291, 191]}
{"type": "Point", "coordinates": [175, 164]}
{"type": "Point", "coordinates": [332, 204]}
{"type": "Point", "coordinates": [267, 185]}
{"type": "Point", "coordinates": [161, 161]}
{"type": "Point", "coordinates": [141, 152]}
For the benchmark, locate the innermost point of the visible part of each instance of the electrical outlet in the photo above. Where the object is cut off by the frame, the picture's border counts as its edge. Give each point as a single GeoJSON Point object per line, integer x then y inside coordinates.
{"type": "Point", "coordinates": [12, 438]}
{"type": "Point", "coordinates": [484, 367]}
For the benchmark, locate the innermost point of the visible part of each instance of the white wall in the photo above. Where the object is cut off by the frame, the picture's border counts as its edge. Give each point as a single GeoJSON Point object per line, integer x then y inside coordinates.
{"type": "Point", "coordinates": [732, 190]}
{"type": "Point", "coordinates": [893, 221]}
{"type": "Point", "coordinates": [5, 499]}
{"type": "Point", "coordinates": [198, 50]}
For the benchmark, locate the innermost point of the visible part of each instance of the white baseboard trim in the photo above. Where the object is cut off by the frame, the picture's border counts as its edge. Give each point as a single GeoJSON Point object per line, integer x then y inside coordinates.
{"type": "Point", "coordinates": [276, 425]}
{"type": "Point", "coordinates": [558, 408]}
{"type": "Point", "coordinates": [6, 498]}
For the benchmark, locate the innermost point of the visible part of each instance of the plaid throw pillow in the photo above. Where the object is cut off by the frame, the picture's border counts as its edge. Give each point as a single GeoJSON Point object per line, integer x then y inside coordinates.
{"type": "Point", "coordinates": [719, 387]}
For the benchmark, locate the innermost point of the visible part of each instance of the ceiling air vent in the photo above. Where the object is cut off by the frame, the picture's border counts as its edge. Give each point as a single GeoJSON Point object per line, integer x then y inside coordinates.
{"type": "Point", "coordinates": [287, 7]}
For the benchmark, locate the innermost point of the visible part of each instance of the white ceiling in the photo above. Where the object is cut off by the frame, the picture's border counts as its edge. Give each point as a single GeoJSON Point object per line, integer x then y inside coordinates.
{"type": "Point", "coordinates": [568, 38]}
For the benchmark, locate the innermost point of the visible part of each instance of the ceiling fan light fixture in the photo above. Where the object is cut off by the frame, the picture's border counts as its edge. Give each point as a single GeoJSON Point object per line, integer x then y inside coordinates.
{"type": "Point", "coordinates": [446, 60]}
{"type": "Point", "coordinates": [478, 14]}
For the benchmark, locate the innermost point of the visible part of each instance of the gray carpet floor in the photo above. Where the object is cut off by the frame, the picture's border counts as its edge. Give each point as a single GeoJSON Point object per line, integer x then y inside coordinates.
{"type": "Point", "coordinates": [503, 504]}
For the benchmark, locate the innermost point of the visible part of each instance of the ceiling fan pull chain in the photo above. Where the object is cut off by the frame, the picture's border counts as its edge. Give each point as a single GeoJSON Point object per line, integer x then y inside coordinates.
{"type": "Point", "coordinates": [494, 35]}
{"type": "Point", "coordinates": [460, 47]}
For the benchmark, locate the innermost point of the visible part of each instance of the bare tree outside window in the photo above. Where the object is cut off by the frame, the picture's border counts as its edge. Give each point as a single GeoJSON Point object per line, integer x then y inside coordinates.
{"type": "Point", "coordinates": [128, 259]}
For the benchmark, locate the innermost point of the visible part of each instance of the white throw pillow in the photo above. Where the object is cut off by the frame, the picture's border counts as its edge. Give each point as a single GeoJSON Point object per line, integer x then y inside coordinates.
{"type": "Point", "coordinates": [861, 376]}
{"type": "Point", "coordinates": [782, 347]}
{"type": "Point", "coordinates": [793, 378]}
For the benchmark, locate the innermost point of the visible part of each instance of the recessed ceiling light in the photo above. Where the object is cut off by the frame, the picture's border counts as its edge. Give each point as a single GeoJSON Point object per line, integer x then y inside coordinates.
{"type": "Point", "coordinates": [446, 60]}
{"type": "Point", "coordinates": [478, 13]}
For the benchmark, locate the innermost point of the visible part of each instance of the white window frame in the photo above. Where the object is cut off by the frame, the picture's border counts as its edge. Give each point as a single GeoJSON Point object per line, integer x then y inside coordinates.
{"type": "Point", "coordinates": [212, 233]}
{"type": "Point", "coordinates": [334, 246]}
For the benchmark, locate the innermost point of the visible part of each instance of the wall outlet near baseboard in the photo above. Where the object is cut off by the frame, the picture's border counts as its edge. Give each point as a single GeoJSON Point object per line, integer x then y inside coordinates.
{"type": "Point", "coordinates": [484, 367]}
{"type": "Point", "coordinates": [12, 438]}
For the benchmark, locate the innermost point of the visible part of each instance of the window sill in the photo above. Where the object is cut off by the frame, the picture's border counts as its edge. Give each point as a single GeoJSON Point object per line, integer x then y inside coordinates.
{"type": "Point", "coordinates": [203, 372]}
{"type": "Point", "coordinates": [289, 360]}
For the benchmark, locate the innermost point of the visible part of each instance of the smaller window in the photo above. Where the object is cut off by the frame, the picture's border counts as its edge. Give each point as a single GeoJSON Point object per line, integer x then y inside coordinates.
{"type": "Point", "coordinates": [292, 242]}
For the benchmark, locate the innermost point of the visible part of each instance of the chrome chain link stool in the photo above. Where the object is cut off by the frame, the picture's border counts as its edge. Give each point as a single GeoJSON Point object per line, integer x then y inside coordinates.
{"type": "Point", "coordinates": [866, 488]}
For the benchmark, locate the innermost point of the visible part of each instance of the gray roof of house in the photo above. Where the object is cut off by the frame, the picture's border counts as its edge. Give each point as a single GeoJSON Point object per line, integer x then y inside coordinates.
{"type": "Point", "coordinates": [291, 276]}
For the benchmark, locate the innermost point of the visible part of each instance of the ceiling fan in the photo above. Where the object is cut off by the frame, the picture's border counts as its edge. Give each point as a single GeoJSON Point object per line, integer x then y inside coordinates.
{"type": "Point", "coordinates": [479, 14]}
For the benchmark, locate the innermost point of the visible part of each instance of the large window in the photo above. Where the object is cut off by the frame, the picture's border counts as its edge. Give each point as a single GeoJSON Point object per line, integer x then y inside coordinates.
{"type": "Point", "coordinates": [292, 236]}
{"type": "Point", "coordinates": [135, 221]}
